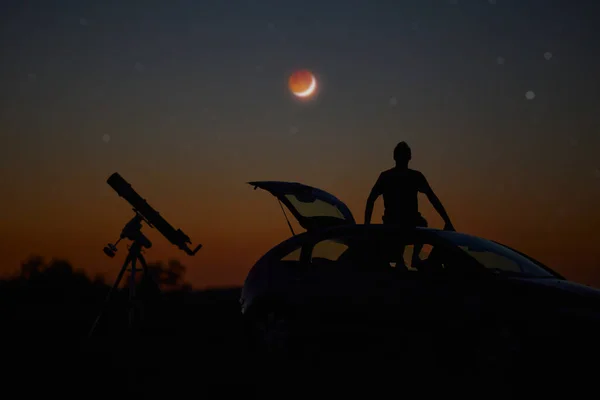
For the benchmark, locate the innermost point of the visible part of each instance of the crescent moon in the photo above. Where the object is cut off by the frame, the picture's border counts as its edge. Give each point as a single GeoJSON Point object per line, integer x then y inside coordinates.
{"type": "Point", "coordinates": [310, 90]}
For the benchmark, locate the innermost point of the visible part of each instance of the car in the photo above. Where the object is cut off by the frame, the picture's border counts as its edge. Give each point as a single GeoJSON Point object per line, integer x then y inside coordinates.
{"type": "Point", "coordinates": [340, 283]}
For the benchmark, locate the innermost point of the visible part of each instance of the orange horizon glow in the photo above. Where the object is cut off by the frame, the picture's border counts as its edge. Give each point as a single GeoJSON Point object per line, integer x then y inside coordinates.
{"type": "Point", "coordinates": [237, 225]}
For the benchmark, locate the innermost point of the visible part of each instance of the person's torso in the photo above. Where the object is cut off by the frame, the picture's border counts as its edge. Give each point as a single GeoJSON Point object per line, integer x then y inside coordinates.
{"type": "Point", "coordinates": [400, 194]}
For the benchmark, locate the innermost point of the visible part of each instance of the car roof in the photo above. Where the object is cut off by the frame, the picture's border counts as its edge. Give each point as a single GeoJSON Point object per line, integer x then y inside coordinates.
{"type": "Point", "coordinates": [440, 234]}
{"type": "Point", "coordinates": [444, 235]}
{"type": "Point", "coordinates": [452, 238]}
{"type": "Point", "coordinates": [375, 228]}
{"type": "Point", "coordinates": [350, 228]}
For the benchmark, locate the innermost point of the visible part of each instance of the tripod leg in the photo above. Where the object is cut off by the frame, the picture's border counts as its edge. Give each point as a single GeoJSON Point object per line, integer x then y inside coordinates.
{"type": "Point", "coordinates": [151, 288]}
{"type": "Point", "coordinates": [132, 293]}
{"type": "Point", "coordinates": [142, 261]}
{"type": "Point", "coordinates": [144, 265]}
{"type": "Point", "coordinates": [110, 292]}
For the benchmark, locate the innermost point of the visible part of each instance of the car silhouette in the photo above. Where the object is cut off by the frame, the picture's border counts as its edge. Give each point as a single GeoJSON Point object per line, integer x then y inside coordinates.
{"type": "Point", "coordinates": [342, 283]}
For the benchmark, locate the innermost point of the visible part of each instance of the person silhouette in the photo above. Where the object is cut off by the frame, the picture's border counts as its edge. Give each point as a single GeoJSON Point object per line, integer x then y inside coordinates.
{"type": "Point", "coordinates": [399, 187]}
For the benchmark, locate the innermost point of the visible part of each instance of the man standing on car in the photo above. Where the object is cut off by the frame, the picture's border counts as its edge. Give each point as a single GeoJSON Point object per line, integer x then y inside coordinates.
{"type": "Point", "coordinates": [399, 187]}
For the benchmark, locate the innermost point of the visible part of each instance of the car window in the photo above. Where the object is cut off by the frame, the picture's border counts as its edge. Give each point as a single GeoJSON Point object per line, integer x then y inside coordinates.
{"type": "Point", "coordinates": [430, 258]}
{"type": "Point", "coordinates": [293, 256]}
{"type": "Point", "coordinates": [329, 250]}
{"type": "Point", "coordinates": [495, 257]}
{"type": "Point", "coordinates": [493, 260]}
{"type": "Point", "coordinates": [425, 250]}
{"type": "Point", "coordinates": [314, 207]}
{"type": "Point", "coordinates": [374, 252]}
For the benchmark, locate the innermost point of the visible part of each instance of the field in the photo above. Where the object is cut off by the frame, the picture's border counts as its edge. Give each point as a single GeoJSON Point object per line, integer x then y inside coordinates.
{"type": "Point", "coordinates": [194, 342]}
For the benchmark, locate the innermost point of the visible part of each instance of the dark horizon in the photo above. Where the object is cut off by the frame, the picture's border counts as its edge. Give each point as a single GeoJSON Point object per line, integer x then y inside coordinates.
{"type": "Point", "coordinates": [162, 272]}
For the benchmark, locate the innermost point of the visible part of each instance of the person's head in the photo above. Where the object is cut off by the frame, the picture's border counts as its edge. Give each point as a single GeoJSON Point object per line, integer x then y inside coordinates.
{"type": "Point", "coordinates": [402, 153]}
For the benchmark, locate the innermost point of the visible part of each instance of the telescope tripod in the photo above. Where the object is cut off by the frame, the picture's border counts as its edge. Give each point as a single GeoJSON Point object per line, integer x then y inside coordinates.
{"type": "Point", "coordinates": [131, 231]}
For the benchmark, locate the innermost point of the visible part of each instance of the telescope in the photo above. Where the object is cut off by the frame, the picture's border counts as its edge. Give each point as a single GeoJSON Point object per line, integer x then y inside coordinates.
{"type": "Point", "coordinates": [150, 215]}
{"type": "Point", "coordinates": [132, 231]}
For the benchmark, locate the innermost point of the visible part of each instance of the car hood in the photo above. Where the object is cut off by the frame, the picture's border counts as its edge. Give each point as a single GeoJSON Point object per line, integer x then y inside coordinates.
{"type": "Point", "coordinates": [564, 286]}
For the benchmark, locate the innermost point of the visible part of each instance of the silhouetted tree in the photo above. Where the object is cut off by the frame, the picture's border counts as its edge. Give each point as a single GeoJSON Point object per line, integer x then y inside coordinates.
{"type": "Point", "coordinates": [32, 267]}
{"type": "Point", "coordinates": [60, 274]}
{"type": "Point", "coordinates": [174, 274]}
{"type": "Point", "coordinates": [167, 277]}
{"type": "Point", "coordinates": [186, 287]}
{"type": "Point", "coordinates": [99, 280]}
{"type": "Point", "coordinates": [55, 279]}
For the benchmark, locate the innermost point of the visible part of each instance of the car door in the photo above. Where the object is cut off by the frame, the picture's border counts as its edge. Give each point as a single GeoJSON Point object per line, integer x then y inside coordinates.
{"type": "Point", "coordinates": [354, 280]}
{"type": "Point", "coordinates": [442, 291]}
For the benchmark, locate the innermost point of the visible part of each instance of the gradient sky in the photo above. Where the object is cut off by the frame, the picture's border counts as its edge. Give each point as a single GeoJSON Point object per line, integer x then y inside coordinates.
{"type": "Point", "coordinates": [188, 100]}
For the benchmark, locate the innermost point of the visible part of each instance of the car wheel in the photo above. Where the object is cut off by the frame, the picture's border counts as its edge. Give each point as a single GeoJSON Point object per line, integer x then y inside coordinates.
{"type": "Point", "coordinates": [270, 333]}
{"type": "Point", "coordinates": [276, 333]}
{"type": "Point", "coordinates": [498, 349]}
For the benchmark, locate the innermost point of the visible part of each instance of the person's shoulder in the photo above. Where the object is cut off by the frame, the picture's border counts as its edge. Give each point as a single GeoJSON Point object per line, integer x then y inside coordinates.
{"type": "Point", "coordinates": [416, 174]}
{"type": "Point", "coordinates": [387, 172]}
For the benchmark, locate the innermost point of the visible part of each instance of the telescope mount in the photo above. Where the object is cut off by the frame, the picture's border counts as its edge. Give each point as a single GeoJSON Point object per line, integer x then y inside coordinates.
{"type": "Point", "coordinates": [131, 231]}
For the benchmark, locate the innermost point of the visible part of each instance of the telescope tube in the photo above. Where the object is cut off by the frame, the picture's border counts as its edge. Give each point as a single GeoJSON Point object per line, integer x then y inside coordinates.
{"type": "Point", "coordinates": [124, 189]}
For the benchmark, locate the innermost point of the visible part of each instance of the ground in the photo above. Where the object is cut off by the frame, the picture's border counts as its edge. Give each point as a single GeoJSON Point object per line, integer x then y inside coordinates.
{"type": "Point", "coordinates": [197, 345]}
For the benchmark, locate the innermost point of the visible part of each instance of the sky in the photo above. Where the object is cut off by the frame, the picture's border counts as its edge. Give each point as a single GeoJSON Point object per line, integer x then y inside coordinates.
{"type": "Point", "coordinates": [188, 101]}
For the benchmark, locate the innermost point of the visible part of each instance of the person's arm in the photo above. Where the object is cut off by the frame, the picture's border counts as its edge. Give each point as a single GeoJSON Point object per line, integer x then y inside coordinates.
{"type": "Point", "coordinates": [375, 193]}
{"type": "Point", "coordinates": [436, 203]}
